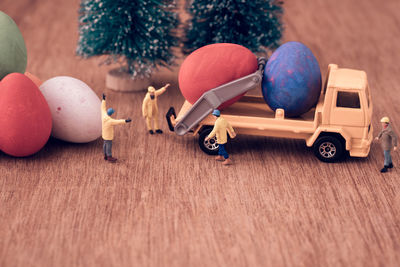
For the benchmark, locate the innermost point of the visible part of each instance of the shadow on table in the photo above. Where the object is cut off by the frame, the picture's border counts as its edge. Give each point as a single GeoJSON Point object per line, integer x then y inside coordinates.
{"type": "Point", "coordinates": [57, 148]}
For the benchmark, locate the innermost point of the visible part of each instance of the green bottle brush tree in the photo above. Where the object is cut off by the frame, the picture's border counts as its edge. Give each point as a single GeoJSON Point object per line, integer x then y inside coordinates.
{"type": "Point", "coordinates": [138, 34]}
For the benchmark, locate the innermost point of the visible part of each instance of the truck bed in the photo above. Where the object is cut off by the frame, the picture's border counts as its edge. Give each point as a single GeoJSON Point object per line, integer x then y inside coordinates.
{"type": "Point", "coordinates": [251, 115]}
{"type": "Point", "coordinates": [255, 106]}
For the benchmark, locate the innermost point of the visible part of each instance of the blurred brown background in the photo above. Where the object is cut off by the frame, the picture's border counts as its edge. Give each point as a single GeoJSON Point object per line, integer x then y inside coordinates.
{"type": "Point", "coordinates": [166, 203]}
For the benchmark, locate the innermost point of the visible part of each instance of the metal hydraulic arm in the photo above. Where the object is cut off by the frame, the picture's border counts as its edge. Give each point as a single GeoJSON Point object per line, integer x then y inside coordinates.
{"type": "Point", "coordinates": [212, 99]}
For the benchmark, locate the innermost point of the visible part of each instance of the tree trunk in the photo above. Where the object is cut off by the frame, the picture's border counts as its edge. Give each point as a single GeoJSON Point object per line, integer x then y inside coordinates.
{"type": "Point", "coordinates": [122, 81]}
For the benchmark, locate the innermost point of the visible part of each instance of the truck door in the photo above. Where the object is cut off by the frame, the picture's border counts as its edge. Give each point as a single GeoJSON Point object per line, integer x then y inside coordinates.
{"type": "Point", "coordinates": [347, 109]}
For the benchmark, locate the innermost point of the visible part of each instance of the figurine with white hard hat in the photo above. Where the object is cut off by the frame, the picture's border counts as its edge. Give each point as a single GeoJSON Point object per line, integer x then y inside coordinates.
{"type": "Point", "coordinates": [150, 108]}
{"type": "Point", "coordinates": [388, 141]}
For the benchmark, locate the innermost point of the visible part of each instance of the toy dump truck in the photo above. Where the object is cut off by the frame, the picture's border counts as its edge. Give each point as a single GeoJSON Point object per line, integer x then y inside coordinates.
{"type": "Point", "coordinates": [341, 120]}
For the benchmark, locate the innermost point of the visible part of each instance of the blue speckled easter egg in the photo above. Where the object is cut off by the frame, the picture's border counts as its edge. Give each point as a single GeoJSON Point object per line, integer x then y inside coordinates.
{"type": "Point", "coordinates": [292, 79]}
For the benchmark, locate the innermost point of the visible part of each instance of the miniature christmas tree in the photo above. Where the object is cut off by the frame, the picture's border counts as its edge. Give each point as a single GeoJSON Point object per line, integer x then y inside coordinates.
{"type": "Point", "coordinates": [253, 24]}
{"type": "Point", "coordinates": [139, 34]}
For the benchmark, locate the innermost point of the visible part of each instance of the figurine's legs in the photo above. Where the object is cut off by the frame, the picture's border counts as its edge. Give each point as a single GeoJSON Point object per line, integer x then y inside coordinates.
{"type": "Point", "coordinates": [222, 151]}
{"type": "Point", "coordinates": [107, 150]}
{"type": "Point", "coordinates": [107, 147]}
{"type": "Point", "coordinates": [388, 161]}
{"type": "Point", "coordinates": [155, 119]}
{"type": "Point", "coordinates": [156, 124]}
{"type": "Point", "coordinates": [388, 158]}
{"type": "Point", "coordinates": [104, 150]}
{"type": "Point", "coordinates": [148, 123]}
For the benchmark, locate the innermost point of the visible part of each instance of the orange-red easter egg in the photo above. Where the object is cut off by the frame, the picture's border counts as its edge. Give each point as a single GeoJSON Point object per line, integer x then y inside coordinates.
{"type": "Point", "coordinates": [213, 65]}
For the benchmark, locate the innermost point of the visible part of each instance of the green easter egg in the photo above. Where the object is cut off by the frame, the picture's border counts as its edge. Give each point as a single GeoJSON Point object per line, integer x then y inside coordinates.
{"type": "Point", "coordinates": [12, 47]}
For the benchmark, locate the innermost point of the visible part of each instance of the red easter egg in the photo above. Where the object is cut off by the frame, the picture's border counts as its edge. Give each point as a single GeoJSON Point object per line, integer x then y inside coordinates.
{"type": "Point", "coordinates": [25, 118]}
{"type": "Point", "coordinates": [213, 65]}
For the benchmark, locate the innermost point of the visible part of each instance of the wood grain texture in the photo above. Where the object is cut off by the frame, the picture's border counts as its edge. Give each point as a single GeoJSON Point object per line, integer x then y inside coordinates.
{"type": "Point", "coordinates": [165, 203]}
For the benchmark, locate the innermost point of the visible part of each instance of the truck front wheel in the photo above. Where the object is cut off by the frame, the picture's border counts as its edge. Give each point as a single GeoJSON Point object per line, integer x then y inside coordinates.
{"type": "Point", "coordinates": [328, 148]}
{"type": "Point", "coordinates": [211, 146]}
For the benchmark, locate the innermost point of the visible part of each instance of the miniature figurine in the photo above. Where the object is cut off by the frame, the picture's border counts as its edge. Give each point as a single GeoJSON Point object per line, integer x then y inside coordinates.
{"type": "Point", "coordinates": [150, 108]}
{"type": "Point", "coordinates": [221, 126]}
{"type": "Point", "coordinates": [389, 141]}
{"type": "Point", "coordinates": [108, 129]}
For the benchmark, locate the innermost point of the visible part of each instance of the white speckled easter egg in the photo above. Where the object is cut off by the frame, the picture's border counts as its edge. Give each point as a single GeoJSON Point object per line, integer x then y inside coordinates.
{"type": "Point", "coordinates": [75, 109]}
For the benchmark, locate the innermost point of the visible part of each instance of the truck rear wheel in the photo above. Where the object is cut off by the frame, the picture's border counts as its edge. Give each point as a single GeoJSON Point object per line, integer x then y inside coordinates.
{"type": "Point", "coordinates": [328, 148]}
{"type": "Point", "coordinates": [211, 146]}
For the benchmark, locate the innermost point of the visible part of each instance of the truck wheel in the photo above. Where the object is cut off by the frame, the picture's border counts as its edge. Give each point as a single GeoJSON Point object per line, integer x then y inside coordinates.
{"type": "Point", "coordinates": [328, 149]}
{"type": "Point", "coordinates": [211, 146]}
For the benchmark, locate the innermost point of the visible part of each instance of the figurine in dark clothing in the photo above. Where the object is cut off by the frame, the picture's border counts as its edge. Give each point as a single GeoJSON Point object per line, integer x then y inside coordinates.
{"type": "Point", "coordinates": [388, 141]}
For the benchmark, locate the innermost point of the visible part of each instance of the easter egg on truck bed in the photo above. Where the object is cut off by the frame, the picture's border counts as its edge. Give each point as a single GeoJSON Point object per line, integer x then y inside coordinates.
{"type": "Point", "coordinates": [292, 79]}
{"type": "Point", "coordinates": [213, 65]}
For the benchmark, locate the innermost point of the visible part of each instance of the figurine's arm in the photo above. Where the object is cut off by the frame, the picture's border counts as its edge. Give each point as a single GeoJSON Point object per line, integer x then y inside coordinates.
{"type": "Point", "coordinates": [103, 106]}
{"type": "Point", "coordinates": [162, 90]}
{"type": "Point", "coordinates": [212, 134]}
{"type": "Point", "coordinates": [394, 139]}
{"type": "Point", "coordinates": [144, 106]}
{"type": "Point", "coordinates": [231, 132]}
{"type": "Point", "coordinates": [379, 136]}
{"type": "Point", "coordinates": [117, 122]}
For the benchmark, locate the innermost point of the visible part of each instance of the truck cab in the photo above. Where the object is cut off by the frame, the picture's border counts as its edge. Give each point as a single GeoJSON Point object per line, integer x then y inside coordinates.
{"type": "Point", "coordinates": [345, 110]}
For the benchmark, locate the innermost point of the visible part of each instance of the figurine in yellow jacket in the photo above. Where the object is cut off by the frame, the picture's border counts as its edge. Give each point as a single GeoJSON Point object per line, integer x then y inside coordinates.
{"type": "Point", "coordinates": [107, 124]}
{"type": "Point", "coordinates": [221, 127]}
{"type": "Point", "coordinates": [150, 108]}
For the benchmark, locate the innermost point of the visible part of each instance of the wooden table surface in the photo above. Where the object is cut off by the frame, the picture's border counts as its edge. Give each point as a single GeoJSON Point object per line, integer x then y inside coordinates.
{"type": "Point", "coordinates": [165, 203]}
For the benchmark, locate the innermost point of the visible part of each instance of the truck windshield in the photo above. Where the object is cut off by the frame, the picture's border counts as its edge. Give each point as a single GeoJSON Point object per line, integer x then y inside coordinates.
{"type": "Point", "coordinates": [348, 100]}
